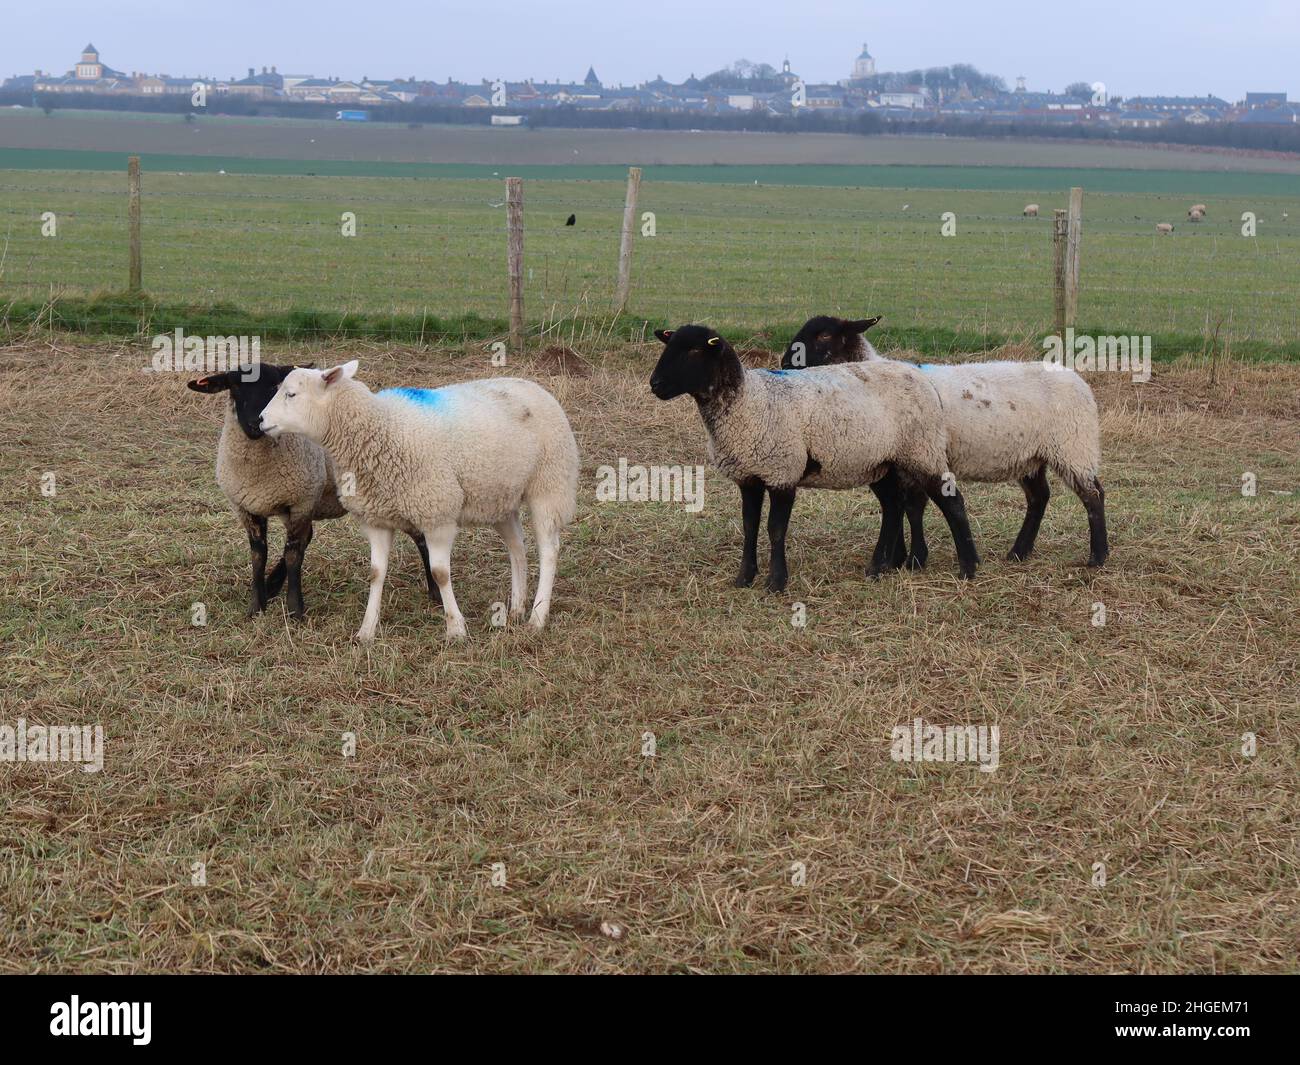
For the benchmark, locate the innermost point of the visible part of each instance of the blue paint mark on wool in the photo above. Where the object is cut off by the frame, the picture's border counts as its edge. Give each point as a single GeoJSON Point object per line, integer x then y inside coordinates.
{"type": "Point", "coordinates": [779, 373]}
{"type": "Point", "coordinates": [433, 400]}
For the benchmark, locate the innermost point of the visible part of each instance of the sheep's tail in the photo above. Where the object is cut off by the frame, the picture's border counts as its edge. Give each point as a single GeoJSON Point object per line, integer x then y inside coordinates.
{"type": "Point", "coordinates": [1074, 449]}
{"type": "Point", "coordinates": [552, 492]}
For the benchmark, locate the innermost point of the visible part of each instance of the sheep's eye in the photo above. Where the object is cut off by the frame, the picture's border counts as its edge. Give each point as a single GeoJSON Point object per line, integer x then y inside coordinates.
{"type": "Point", "coordinates": [290, 395]}
{"type": "Point", "coordinates": [824, 336]}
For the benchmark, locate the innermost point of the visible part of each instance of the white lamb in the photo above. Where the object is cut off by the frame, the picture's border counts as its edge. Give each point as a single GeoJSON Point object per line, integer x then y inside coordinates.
{"type": "Point", "coordinates": [836, 427]}
{"type": "Point", "coordinates": [1006, 421]}
{"type": "Point", "coordinates": [432, 460]}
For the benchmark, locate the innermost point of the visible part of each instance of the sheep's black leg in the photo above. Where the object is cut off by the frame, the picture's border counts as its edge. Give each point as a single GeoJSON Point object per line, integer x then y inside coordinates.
{"type": "Point", "coordinates": [949, 501]}
{"type": "Point", "coordinates": [1037, 493]}
{"type": "Point", "coordinates": [890, 493]}
{"type": "Point", "coordinates": [256, 529]}
{"type": "Point", "coordinates": [914, 504]}
{"type": "Point", "coordinates": [297, 537]}
{"type": "Point", "coordinates": [778, 519]}
{"type": "Point", "coordinates": [751, 508]}
{"type": "Point", "coordinates": [1094, 502]}
{"type": "Point", "coordinates": [275, 580]}
{"type": "Point", "coordinates": [423, 547]}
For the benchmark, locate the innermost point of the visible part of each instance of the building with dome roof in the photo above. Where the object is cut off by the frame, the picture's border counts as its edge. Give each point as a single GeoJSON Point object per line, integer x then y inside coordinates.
{"type": "Point", "coordinates": [864, 66]}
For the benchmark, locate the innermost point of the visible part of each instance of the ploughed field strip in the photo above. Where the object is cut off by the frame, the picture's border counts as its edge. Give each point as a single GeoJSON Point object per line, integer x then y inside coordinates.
{"type": "Point", "coordinates": [768, 253]}
{"type": "Point", "coordinates": [1119, 744]}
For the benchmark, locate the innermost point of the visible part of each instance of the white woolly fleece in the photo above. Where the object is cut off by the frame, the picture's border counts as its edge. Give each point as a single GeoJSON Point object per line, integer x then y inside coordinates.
{"type": "Point", "coordinates": [467, 454]}
{"type": "Point", "coordinates": [431, 460]}
{"type": "Point", "coordinates": [1005, 419]}
{"type": "Point", "coordinates": [852, 420]}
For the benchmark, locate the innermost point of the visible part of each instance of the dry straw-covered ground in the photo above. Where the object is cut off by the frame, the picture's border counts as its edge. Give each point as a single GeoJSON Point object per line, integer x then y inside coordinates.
{"type": "Point", "coordinates": [1120, 745]}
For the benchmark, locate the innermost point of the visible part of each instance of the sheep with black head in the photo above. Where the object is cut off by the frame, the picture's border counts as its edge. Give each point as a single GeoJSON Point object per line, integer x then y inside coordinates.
{"type": "Point", "coordinates": [290, 479]}
{"type": "Point", "coordinates": [836, 427]}
{"type": "Point", "coordinates": [1005, 421]}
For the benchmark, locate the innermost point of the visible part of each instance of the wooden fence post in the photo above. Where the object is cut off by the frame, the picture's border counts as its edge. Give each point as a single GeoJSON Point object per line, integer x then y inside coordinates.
{"type": "Point", "coordinates": [515, 258]}
{"type": "Point", "coordinates": [134, 282]}
{"type": "Point", "coordinates": [625, 248]}
{"type": "Point", "coordinates": [1060, 237]}
{"type": "Point", "coordinates": [1074, 233]}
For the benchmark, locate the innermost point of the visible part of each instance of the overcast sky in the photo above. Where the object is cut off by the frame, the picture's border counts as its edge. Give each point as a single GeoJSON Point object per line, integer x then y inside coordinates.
{"type": "Point", "coordinates": [1186, 47]}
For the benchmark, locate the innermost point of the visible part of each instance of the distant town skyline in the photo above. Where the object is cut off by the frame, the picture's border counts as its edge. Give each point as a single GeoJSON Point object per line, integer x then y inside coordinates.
{"type": "Point", "coordinates": [1190, 48]}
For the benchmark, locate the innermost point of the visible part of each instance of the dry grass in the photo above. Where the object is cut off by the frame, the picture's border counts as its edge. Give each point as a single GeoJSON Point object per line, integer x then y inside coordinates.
{"type": "Point", "coordinates": [1119, 745]}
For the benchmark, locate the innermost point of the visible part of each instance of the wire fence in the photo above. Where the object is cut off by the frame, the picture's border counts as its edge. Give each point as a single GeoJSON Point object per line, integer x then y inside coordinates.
{"type": "Point", "coordinates": [374, 255]}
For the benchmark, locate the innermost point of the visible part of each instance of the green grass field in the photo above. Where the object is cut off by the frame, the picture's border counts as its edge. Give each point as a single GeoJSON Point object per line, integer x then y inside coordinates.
{"type": "Point", "coordinates": [750, 257]}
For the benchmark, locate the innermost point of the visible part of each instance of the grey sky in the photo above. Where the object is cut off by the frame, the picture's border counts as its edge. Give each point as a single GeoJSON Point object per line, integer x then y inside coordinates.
{"type": "Point", "coordinates": [1187, 47]}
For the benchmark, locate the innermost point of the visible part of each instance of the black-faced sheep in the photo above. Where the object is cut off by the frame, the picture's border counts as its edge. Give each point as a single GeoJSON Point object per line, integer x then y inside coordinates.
{"type": "Point", "coordinates": [1005, 421]}
{"type": "Point", "coordinates": [262, 478]}
{"type": "Point", "coordinates": [835, 427]}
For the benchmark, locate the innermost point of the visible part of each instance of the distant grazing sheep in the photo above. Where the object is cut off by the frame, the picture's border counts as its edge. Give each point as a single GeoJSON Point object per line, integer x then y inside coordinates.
{"type": "Point", "coordinates": [430, 460]}
{"type": "Point", "coordinates": [1164, 227]}
{"type": "Point", "coordinates": [290, 479]}
{"type": "Point", "coordinates": [1194, 215]}
{"type": "Point", "coordinates": [1031, 210]}
{"type": "Point", "coordinates": [1199, 207]}
{"type": "Point", "coordinates": [835, 427]}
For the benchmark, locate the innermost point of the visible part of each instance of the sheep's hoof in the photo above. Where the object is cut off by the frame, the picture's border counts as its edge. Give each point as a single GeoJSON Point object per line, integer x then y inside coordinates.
{"type": "Point", "coordinates": [456, 630]}
{"type": "Point", "coordinates": [1017, 555]}
{"type": "Point", "coordinates": [966, 573]}
{"type": "Point", "coordinates": [776, 582]}
{"type": "Point", "coordinates": [362, 636]}
{"type": "Point", "coordinates": [1095, 561]}
{"type": "Point", "coordinates": [517, 613]}
{"type": "Point", "coordinates": [915, 562]}
{"type": "Point", "coordinates": [878, 570]}
{"type": "Point", "coordinates": [746, 578]}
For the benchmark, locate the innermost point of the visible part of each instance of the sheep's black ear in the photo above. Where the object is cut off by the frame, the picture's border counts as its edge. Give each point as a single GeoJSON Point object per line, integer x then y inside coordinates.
{"type": "Point", "coordinates": [216, 382]}
{"type": "Point", "coordinates": [863, 324]}
{"type": "Point", "coordinates": [664, 334]}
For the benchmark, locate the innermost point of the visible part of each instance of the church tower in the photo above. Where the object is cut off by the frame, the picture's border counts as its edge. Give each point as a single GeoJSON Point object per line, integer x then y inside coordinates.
{"type": "Point", "coordinates": [89, 66]}
{"type": "Point", "coordinates": [864, 66]}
